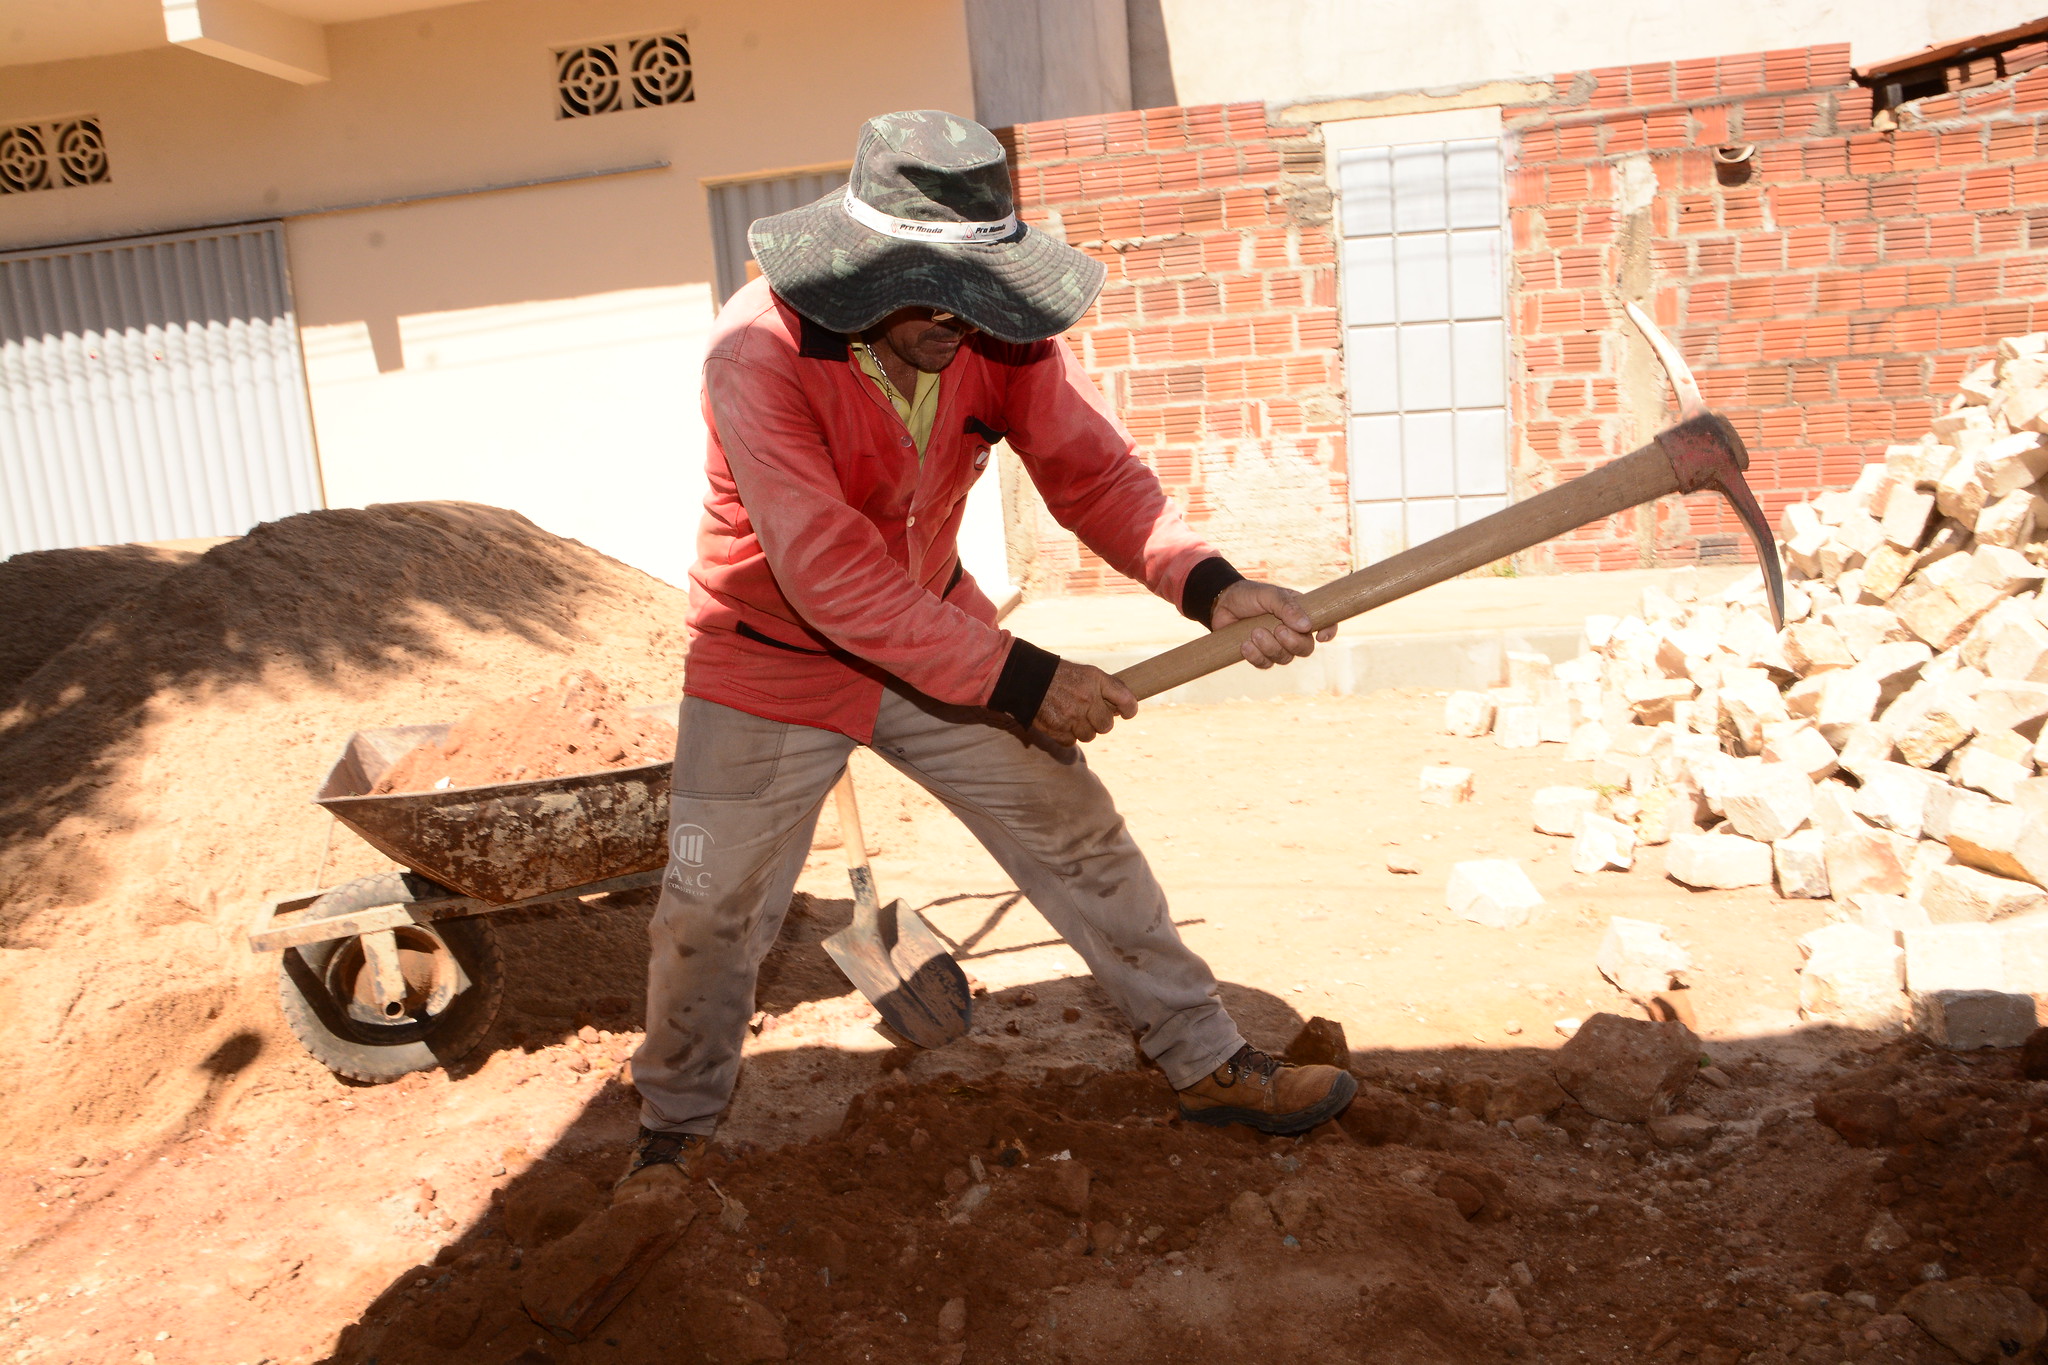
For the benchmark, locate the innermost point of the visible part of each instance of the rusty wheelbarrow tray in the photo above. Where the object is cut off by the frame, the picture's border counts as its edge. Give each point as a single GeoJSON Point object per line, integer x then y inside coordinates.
{"type": "Point", "coordinates": [398, 972]}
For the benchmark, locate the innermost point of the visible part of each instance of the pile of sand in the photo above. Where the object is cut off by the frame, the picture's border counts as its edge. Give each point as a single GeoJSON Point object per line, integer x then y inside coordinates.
{"type": "Point", "coordinates": [162, 760]}
{"type": "Point", "coordinates": [580, 726]}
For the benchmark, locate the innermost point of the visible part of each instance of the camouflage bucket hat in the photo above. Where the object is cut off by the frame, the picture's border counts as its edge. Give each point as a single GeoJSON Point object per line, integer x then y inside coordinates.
{"type": "Point", "coordinates": [926, 220]}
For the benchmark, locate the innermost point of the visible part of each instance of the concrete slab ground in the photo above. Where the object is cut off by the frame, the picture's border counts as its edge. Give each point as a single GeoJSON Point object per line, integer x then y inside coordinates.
{"type": "Point", "coordinates": [1453, 635]}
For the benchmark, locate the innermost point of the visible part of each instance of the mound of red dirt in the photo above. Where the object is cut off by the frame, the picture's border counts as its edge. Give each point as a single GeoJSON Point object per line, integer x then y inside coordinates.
{"type": "Point", "coordinates": [578, 727]}
{"type": "Point", "coordinates": [161, 766]}
{"type": "Point", "coordinates": [52, 595]}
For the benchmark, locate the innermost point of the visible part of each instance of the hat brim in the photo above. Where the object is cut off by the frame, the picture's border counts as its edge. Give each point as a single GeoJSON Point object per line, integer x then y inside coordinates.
{"type": "Point", "coordinates": [848, 277]}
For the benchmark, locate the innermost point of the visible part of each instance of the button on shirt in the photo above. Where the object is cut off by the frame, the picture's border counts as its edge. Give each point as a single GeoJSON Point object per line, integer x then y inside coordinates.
{"type": "Point", "coordinates": [917, 411]}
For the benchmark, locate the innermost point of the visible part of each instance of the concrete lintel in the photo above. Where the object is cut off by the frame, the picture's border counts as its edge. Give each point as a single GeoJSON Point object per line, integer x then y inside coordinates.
{"type": "Point", "coordinates": [252, 35]}
{"type": "Point", "coordinates": [1419, 102]}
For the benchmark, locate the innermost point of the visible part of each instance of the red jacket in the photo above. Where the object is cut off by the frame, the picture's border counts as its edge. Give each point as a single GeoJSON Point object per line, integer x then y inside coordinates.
{"type": "Point", "coordinates": [826, 559]}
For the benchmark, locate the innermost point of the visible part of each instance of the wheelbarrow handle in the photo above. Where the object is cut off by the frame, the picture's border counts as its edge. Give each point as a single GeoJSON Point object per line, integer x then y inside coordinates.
{"type": "Point", "coordinates": [867, 906]}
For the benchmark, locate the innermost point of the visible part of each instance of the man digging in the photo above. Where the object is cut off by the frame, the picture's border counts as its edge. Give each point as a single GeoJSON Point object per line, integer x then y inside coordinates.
{"type": "Point", "coordinates": [903, 326]}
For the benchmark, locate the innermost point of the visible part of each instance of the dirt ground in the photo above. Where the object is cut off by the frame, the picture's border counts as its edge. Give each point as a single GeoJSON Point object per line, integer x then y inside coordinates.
{"type": "Point", "coordinates": [307, 1219]}
{"type": "Point", "coordinates": [180, 1183]}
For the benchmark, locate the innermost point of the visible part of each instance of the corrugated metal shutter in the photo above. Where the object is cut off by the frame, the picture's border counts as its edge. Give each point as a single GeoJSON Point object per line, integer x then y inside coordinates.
{"type": "Point", "coordinates": [736, 204]}
{"type": "Point", "coordinates": [151, 389]}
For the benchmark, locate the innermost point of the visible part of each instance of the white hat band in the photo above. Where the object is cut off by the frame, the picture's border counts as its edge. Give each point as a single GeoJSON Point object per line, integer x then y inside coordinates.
{"type": "Point", "coordinates": [920, 230]}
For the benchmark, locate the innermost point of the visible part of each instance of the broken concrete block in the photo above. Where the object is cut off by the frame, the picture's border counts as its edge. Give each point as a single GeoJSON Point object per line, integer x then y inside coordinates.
{"type": "Point", "coordinates": [1651, 699]}
{"type": "Point", "coordinates": [1518, 727]}
{"type": "Point", "coordinates": [1885, 570]}
{"type": "Point", "coordinates": [1526, 669]}
{"type": "Point", "coordinates": [2002, 704]}
{"type": "Point", "coordinates": [1943, 617]}
{"type": "Point", "coordinates": [1990, 764]}
{"type": "Point", "coordinates": [1492, 891]}
{"type": "Point", "coordinates": [1863, 860]}
{"type": "Point", "coordinates": [1556, 810]}
{"type": "Point", "coordinates": [1627, 1070]}
{"type": "Point", "coordinates": [1887, 915]}
{"type": "Point", "coordinates": [1580, 668]}
{"type": "Point", "coordinates": [1834, 810]}
{"type": "Point", "coordinates": [1749, 702]}
{"type": "Point", "coordinates": [1894, 666]}
{"type": "Point", "coordinates": [1803, 550]}
{"type": "Point", "coordinates": [1446, 786]}
{"type": "Point", "coordinates": [1865, 746]}
{"type": "Point", "coordinates": [1894, 796]}
{"type": "Point", "coordinates": [1600, 843]}
{"type": "Point", "coordinates": [1557, 715]}
{"type": "Point", "coordinates": [1768, 802]}
{"type": "Point", "coordinates": [2010, 519]}
{"type": "Point", "coordinates": [2012, 462]}
{"type": "Point", "coordinates": [1640, 958]}
{"type": "Point", "coordinates": [1847, 698]}
{"type": "Point", "coordinates": [2023, 950]}
{"type": "Point", "coordinates": [2017, 650]}
{"type": "Point", "coordinates": [1933, 718]}
{"type": "Point", "coordinates": [1590, 740]}
{"type": "Point", "coordinates": [1962, 1020]}
{"type": "Point", "coordinates": [1906, 515]}
{"type": "Point", "coordinates": [1853, 976]}
{"type": "Point", "coordinates": [1468, 714]}
{"type": "Point", "coordinates": [1813, 647]}
{"type": "Point", "coordinates": [1801, 747]}
{"type": "Point", "coordinates": [1942, 805]}
{"type": "Point", "coordinates": [1996, 837]}
{"type": "Point", "coordinates": [1960, 894]}
{"type": "Point", "coordinates": [1863, 628]}
{"type": "Point", "coordinates": [1800, 861]}
{"type": "Point", "coordinates": [1955, 957]}
{"type": "Point", "coordinates": [1718, 861]}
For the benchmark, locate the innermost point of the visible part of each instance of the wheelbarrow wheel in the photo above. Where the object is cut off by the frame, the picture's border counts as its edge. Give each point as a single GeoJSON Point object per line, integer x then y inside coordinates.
{"type": "Point", "coordinates": [325, 988]}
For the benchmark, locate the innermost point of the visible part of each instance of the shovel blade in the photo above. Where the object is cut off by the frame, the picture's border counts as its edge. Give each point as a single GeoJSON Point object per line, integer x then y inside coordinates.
{"type": "Point", "coordinates": [904, 970]}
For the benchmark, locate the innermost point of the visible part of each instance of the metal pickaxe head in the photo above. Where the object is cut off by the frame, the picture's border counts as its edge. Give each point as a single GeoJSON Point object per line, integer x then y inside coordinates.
{"type": "Point", "coordinates": [1706, 451]}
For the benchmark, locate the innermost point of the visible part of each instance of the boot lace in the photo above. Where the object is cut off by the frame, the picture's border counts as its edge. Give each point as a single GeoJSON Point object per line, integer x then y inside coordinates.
{"type": "Point", "coordinates": [662, 1149]}
{"type": "Point", "coordinates": [1249, 1062]}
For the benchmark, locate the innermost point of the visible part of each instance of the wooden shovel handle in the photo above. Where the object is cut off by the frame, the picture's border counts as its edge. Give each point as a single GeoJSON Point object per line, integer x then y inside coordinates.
{"type": "Point", "coordinates": [1638, 477]}
{"type": "Point", "coordinates": [866, 904]}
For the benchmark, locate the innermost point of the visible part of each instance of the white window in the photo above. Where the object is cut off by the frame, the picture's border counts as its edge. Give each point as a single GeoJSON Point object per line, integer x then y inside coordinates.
{"type": "Point", "coordinates": [1424, 238]}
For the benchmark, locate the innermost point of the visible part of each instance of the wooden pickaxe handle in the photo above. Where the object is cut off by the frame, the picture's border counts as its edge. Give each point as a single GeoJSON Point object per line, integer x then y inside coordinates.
{"type": "Point", "coordinates": [1703, 451]}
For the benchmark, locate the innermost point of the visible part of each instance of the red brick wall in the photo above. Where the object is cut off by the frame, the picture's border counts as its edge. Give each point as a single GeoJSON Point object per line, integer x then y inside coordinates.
{"type": "Point", "coordinates": [1828, 306]}
{"type": "Point", "coordinates": [1216, 336]}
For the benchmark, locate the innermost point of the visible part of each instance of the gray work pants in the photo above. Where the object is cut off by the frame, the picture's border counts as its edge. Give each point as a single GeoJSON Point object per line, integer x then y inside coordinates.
{"type": "Point", "coordinates": [746, 799]}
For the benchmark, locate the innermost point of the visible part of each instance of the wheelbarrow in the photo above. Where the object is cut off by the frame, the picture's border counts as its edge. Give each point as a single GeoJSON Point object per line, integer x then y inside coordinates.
{"type": "Point", "coordinates": [400, 972]}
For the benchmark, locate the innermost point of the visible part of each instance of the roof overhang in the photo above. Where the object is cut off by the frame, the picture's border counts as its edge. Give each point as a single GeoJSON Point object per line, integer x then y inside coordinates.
{"type": "Point", "coordinates": [282, 38]}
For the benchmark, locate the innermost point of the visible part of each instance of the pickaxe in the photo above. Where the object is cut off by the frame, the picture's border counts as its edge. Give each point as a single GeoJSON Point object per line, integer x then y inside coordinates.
{"type": "Point", "coordinates": [1702, 451]}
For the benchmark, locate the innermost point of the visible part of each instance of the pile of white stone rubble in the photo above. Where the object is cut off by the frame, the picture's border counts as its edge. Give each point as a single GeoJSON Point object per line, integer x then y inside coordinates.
{"type": "Point", "coordinates": [1883, 751]}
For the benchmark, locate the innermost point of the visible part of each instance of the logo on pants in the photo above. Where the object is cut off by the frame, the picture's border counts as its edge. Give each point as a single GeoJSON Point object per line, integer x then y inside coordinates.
{"type": "Point", "coordinates": [687, 844]}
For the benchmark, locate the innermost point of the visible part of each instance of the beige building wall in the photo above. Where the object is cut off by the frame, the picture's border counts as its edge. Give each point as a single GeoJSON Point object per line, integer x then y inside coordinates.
{"type": "Point", "coordinates": [536, 348]}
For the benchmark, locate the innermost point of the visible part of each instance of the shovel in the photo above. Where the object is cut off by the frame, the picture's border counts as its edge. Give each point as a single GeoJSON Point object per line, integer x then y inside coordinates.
{"type": "Point", "coordinates": [891, 955]}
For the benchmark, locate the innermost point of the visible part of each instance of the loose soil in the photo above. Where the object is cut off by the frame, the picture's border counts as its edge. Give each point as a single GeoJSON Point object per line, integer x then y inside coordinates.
{"type": "Point", "coordinates": [578, 727]}
{"type": "Point", "coordinates": [228, 1201]}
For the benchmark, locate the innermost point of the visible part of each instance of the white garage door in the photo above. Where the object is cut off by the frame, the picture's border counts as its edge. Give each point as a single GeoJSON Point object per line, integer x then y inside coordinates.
{"type": "Point", "coordinates": [1425, 342]}
{"type": "Point", "coordinates": [150, 389]}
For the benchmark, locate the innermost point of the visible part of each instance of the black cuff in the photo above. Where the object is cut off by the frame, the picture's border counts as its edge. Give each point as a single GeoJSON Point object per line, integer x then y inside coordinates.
{"type": "Point", "coordinates": [1206, 582]}
{"type": "Point", "coordinates": [1026, 678]}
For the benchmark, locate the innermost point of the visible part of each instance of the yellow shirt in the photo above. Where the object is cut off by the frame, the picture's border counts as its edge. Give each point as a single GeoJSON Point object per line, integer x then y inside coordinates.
{"type": "Point", "coordinates": [918, 410]}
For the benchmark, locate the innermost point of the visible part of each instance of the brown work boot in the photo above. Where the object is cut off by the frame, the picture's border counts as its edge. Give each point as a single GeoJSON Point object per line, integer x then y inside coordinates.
{"type": "Point", "coordinates": [1265, 1093]}
{"type": "Point", "coordinates": [662, 1164]}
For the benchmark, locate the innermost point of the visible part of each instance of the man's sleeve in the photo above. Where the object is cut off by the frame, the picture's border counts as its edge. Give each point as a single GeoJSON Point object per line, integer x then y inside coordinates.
{"type": "Point", "coordinates": [1086, 467]}
{"type": "Point", "coordinates": [833, 565]}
